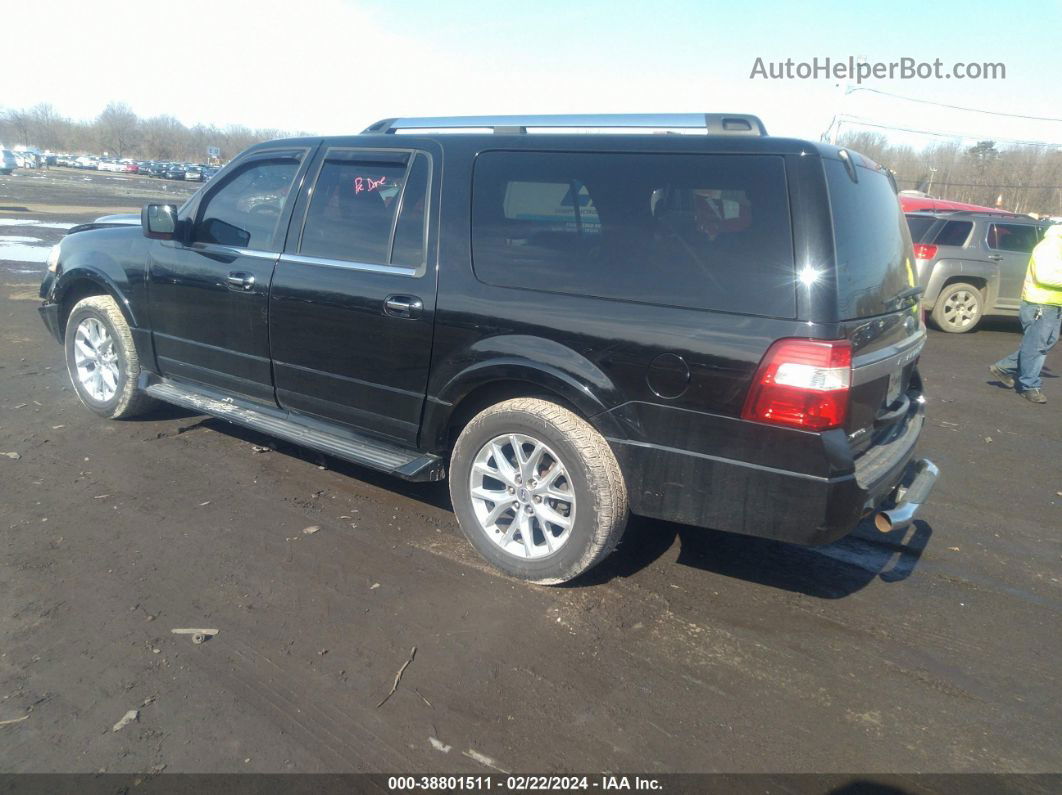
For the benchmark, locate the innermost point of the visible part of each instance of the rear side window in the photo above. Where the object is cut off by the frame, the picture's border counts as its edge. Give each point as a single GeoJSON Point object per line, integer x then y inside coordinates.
{"type": "Point", "coordinates": [361, 203]}
{"type": "Point", "coordinates": [953, 233]}
{"type": "Point", "coordinates": [698, 231]}
{"type": "Point", "coordinates": [1012, 237]}
{"type": "Point", "coordinates": [920, 226]}
{"type": "Point", "coordinates": [871, 241]}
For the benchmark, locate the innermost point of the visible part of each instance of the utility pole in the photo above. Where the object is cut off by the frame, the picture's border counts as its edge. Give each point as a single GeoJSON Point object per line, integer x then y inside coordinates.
{"type": "Point", "coordinates": [835, 125]}
{"type": "Point", "coordinates": [844, 90]}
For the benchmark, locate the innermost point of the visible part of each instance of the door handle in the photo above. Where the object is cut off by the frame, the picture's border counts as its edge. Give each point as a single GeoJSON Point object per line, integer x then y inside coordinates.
{"type": "Point", "coordinates": [996, 257]}
{"type": "Point", "coordinates": [241, 280]}
{"type": "Point", "coordinates": [403, 306]}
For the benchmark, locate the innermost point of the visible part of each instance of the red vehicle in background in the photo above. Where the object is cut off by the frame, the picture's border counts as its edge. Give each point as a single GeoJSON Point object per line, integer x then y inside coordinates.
{"type": "Point", "coordinates": [913, 203]}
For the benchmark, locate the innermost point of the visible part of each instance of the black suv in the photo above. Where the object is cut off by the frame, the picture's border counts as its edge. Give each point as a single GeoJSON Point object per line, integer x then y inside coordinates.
{"type": "Point", "coordinates": [719, 329]}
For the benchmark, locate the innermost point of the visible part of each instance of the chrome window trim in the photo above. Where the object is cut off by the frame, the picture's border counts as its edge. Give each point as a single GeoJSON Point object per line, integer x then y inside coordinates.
{"type": "Point", "coordinates": [367, 267]}
{"type": "Point", "coordinates": [221, 248]}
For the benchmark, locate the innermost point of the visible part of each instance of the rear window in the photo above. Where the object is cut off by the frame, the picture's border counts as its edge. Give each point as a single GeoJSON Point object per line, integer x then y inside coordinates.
{"type": "Point", "coordinates": [698, 231]}
{"type": "Point", "coordinates": [872, 243]}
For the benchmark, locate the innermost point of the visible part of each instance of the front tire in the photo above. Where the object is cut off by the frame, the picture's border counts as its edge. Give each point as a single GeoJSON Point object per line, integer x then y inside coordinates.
{"type": "Point", "coordinates": [102, 360]}
{"type": "Point", "coordinates": [537, 491]}
{"type": "Point", "coordinates": [958, 308]}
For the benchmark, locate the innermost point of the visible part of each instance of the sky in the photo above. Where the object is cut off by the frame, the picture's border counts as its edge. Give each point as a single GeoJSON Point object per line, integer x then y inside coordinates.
{"type": "Point", "coordinates": [335, 66]}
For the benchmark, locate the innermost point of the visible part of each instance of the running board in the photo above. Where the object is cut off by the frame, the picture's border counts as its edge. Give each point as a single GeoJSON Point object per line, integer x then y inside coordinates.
{"type": "Point", "coordinates": [406, 464]}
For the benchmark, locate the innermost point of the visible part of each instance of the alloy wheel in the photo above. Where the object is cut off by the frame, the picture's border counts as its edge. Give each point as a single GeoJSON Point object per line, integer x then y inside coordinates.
{"type": "Point", "coordinates": [96, 360]}
{"type": "Point", "coordinates": [522, 496]}
{"type": "Point", "coordinates": [961, 309]}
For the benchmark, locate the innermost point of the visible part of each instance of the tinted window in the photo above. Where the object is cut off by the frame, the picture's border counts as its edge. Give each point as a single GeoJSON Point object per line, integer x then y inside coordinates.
{"type": "Point", "coordinates": [245, 210]}
{"type": "Point", "coordinates": [920, 226]}
{"type": "Point", "coordinates": [1012, 237]}
{"type": "Point", "coordinates": [872, 243]}
{"type": "Point", "coordinates": [701, 231]}
{"type": "Point", "coordinates": [954, 233]}
{"type": "Point", "coordinates": [412, 217]}
{"type": "Point", "coordinates": [355, 201]}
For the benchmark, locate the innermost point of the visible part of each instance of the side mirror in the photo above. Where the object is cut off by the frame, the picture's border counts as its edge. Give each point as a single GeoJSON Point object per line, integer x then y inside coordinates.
{"type": "Point", "coordinates": [159, 221]}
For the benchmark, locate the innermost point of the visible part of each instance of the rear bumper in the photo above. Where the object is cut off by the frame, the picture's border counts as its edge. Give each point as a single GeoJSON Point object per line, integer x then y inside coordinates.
{"type": "Point", "coordinates": [767, 501]}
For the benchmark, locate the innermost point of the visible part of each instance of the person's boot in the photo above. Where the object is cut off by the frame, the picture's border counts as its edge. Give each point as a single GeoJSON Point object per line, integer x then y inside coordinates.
{"type": "Point", "coordinates": [1033, 396]}
{"type": "Point", "coordinates": [1002, 376]}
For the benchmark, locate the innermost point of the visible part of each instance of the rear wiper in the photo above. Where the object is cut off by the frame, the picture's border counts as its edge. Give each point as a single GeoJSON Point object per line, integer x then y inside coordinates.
{"type": "Point", "coordinates": [903, 295]}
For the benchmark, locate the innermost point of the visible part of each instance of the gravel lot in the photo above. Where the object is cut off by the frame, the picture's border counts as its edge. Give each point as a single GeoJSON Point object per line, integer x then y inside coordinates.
{"type": "Point", "coordinates": [935, 649]}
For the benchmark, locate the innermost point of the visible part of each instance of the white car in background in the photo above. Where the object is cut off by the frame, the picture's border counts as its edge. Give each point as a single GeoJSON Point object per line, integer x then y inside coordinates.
{"type": "Point", "coordinates": [88, 161]}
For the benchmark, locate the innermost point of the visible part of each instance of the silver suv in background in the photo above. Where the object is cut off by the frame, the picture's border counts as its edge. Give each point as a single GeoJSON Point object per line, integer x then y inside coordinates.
{"type": "Point", "coordinates": [8, 163]}
{"type": "Point", "coordinates": [971, 264]}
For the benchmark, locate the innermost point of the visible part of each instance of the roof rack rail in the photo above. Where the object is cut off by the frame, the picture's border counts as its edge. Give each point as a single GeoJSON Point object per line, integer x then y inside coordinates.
{"type": "Point", "coordinates": [703, 123]}
{"type": "Point", "coordinates": [994, 213]}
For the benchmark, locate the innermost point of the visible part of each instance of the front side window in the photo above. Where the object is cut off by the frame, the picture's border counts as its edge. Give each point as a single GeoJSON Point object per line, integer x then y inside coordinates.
{"type": "Point", "coordinates": [697, 231]}
{"type": "Point", "coordinates": [245, 211]}
{"type": "Point", "coordinates": [359, 206]}
{"type": "Point", "coordinates": [1012, 237]}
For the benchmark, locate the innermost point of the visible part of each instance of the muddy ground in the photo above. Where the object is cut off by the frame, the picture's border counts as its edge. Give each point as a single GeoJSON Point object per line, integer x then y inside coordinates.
{"type": "Point", "coordinates": [935, 649]}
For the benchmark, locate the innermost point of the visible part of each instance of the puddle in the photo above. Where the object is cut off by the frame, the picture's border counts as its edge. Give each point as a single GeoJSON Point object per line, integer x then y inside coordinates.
{"type": "Point", "coordinates": [23, 249]}
{"type": "Point", "coordinates": [38, 223]}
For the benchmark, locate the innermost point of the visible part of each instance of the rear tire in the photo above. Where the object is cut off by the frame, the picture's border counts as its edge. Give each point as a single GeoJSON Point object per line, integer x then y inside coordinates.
{"type": "Point", "coordinates": [958, 309]}
{"type": "Point", "coordinates": [102, 361]}
{"type": "Point", "coordinates": [563, 490]}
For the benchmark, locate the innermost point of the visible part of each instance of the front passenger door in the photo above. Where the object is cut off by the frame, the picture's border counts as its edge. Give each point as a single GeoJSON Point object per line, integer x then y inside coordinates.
{"type": "Point", "coordinates": [209, 291]}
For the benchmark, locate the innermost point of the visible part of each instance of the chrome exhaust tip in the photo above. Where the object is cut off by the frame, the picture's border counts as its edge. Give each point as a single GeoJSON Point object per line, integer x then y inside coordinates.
{"type": "Point", "coordinates": [903, 513]}
{"type": "Point", "coordinates": [896, 518]}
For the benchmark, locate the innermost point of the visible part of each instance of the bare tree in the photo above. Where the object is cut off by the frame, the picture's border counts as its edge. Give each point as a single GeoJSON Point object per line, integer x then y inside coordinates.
{"type": "Point", "coordinates": [117, 128]}
{"type": "Point", "coordinates": [18, 122]}
{"type": "Point", "coordinates": [45, 126]}
{"type": "Point", "coordinates": [1029, 178]}
{"type": "Point", "coordinates": [163, 137]}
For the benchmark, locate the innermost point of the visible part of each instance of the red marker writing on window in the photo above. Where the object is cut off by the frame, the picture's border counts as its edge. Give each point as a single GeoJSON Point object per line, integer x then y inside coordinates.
{"type": "Point", "coordinates": [365, 184]}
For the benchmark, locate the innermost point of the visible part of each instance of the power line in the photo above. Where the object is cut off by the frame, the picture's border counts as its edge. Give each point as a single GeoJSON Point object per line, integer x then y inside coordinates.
{"type": "Point", "coordinates": [1014, 141]}
{"type": "Point", "coordinates": [952, 107]}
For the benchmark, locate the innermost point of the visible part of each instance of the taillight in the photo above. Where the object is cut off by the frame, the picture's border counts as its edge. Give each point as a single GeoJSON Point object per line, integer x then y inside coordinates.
{"type": "Point", "coordinates": [924, 251]}
{"type": "Point", "coordinates": [802, 384]}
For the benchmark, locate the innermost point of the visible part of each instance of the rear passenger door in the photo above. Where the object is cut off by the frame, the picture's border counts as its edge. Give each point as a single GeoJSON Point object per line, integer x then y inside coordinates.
{"type": "Point", "coordinates": [1011, 246]}
{"type": "Point", "coordinates": [353, 295]}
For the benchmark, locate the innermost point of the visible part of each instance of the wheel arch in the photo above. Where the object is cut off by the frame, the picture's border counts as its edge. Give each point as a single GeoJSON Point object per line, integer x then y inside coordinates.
{"type": "Point", "coordinates": [80, 283]}
{"type": "Point", "coordinates": [977, 280]}
{"type": "Point", "coordinates": [949, 271]}
{"type": "Point", "coordinates": [487, 383]}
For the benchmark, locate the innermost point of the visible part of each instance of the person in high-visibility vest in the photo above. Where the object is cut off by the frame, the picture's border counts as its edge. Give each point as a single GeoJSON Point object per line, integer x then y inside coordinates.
{"type": "Point", "coordinates": [1041, 318]}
